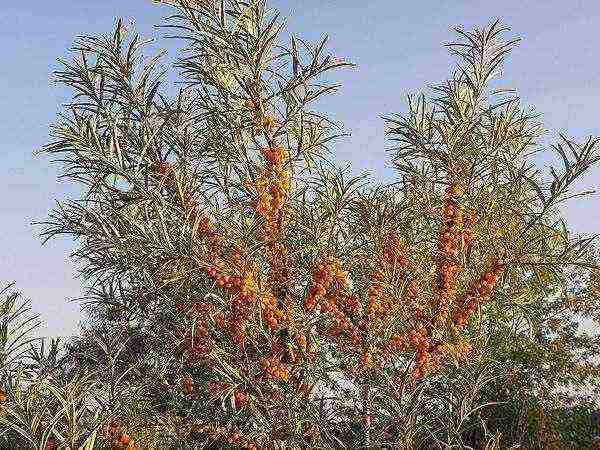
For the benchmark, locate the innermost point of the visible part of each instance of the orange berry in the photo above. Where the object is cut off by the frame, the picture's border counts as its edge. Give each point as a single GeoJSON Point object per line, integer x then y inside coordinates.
{"type": "Point", "coordinates": [51, 444]}
{"type": "Point", "coordinates": [164, 167]}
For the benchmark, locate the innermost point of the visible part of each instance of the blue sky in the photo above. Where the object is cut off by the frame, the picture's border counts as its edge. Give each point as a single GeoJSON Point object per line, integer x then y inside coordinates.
{"type": "Point", "coordinates": [397, 45]}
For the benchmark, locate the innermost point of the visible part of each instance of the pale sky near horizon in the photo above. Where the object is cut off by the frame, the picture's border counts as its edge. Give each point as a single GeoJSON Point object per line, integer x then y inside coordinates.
{"type": "Point", "coordinates": [397, 45]}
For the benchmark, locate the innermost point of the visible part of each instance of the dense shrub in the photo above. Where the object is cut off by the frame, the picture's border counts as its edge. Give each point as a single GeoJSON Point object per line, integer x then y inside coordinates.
{"type": "Point", "coordinates": [245, 291]}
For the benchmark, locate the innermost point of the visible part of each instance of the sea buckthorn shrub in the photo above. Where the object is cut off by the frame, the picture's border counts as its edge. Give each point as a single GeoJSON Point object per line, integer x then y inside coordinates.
{"type": "Point", "coordinates": [263, 297]}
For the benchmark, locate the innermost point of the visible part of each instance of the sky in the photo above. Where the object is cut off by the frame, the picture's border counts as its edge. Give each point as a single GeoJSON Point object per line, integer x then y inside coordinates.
{"type": "Point", "coordinates": [397, 46]}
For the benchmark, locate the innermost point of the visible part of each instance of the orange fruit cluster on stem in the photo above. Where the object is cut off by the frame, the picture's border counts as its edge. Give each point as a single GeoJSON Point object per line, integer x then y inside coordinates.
{"type": "Point", "coordinates": [461, 350]}
{"type": "Point", "coordinates": [118, 438]}
{"type": "Point", "coordinates": [327, 273]}
{"type": "Point", "coordinates": [275, 369]}
{"type": "Point", "coordinates": [272, 187]}
{"type": "Point", "coordinates": [231, 273]}
{"type": "Point", "coordinates": [51, 444]}
{"type": "Point", "coordinates": [301, 339]}
{"type": "Point", "coordinates": [240, 398]}
{"type": "Point", "coordinates": [342, 323]}
{"type": "Point", "coordinates": [164, 168]}
{"type": "Point", "coordinates": [228, 266]}
{"type": "Point", "coordinates": [478, 293]}
{"type": "Point", "coordinates": [392, 255]}
{"type": "Point", "coordinates": [236, 277]}
{"type": "Point", "coordinates": [378, 306]}
{"type": "Point", "coordinates": [271, 313]}
{"type": "Point", "coordinates": [456, 229]}
{"type": "Point", "coordinates": [268, 123]}
{"type": "Point", "coordinates": [327, 292]}
{"type": "Point", "coordinates": [198, 344]}
{"type": "Point", "coordinates": [449, 246]}
{"type": "Point", "coordinates": [426, 360]}
{"type": "Point", "coordinates": [188, 387]}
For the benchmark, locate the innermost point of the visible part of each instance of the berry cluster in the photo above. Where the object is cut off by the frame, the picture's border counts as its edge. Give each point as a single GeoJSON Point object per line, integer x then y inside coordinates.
{"type": "Point", "coordinates": [449, 246]}
{"type": "Point", "coordinates": [246, 294]}
{"type": "Point", "coordinates": [118, 438]}
{"type": "Point", "coordinates": [251, 104]}
{"type": "Point", "coordinates": [274, 156]}
{"type": "Point", "coordinates": [240, 399]}
{"type": "Point", "coordinates": [327, 292]}
{"type": "Point", "coordinates": [228, 266]}
{"type": "Point", "coordinates": [303, 390]}
{"type": "Point", "coordinates": [329, 304]}
{"type": "Point", "coordinates": [301, 340]}
{"type": "Point", "coordinates": [426, 361]}
{"type": "Point", "coordinates": [393, 253]}
{"type": "Point", "coordinates": [272, 186]}
{"type": "Point", "coordinates": [350, 304]}
{"type": "Point", "coordinates": [478, 293]}
{"type": "Point", "coordinates": [327, 273]}
{"type": "Point", "coordinates": [275, 369]}
{"type": "Point", "coordinates": [378, 305]}
{"type": "Point", "coordinates": [263, 124]}
{"type": "Point", "coordinates": [392, 256]}
{"type": "Point", "coordinates": [165, 169]}
{"type": "Point", "coordinates": [237, 279]}
{"type": "Point", "coordinates": [268, 124]}
{"type": "Point", "coordinates": [367, 361]}
{"type": "Point", "coordinates": [270, 311]}
{"type": "Point", "coordinates": [187, 386]}
{"type": "Point", "coordinates": [196, 341]}
{"type": "Point", "coordinates": [462, 349]}
{"type": "Point", "coordinates": [51, 444]}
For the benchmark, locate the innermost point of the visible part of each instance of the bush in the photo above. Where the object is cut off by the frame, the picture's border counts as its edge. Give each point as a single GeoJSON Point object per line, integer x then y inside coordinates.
{"type": "Point", "coordinates": [245, 291]}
